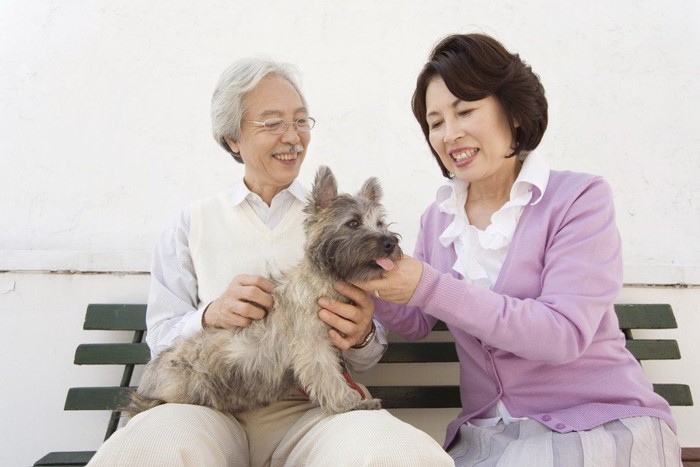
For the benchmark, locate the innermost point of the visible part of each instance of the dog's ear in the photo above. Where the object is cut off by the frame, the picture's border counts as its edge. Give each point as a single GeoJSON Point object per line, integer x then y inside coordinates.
{"type": "Point", "coordinates": [371, 190]}
{"type": "Point", "coordinates": [325, 188]}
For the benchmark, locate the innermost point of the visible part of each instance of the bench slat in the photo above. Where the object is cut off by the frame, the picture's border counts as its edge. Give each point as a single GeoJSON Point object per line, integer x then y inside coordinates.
{"type": "Point", "coordinates": [425, 352]}
{"type": "Point", "coordinates": [408, 397]}
{"type": "Point", "coordinates": [132, 317]}
{"type": "Point", "coordinates": [96, 398]}
{"type": "Point", "coordinates": [631, 316]}
{"type": "Point", "coordinates": [115, 317]}
{"type": "Point", "coordinates": [675, 394]}
{"type": "Point", "coordinates": [68, 458]}
{"type": "Point", "coordinates": [691, 455]}
{"type": "Point", "coordinates": [112, 354]}
{"type": "Point", "coordinates": [420, 352]}
{"type": "Point", "coordinates": [108, 398]}
{"type": "Point", "coordinates": [646, 316]}
{"type": "Point", "coordinates": [430, 397]}
{"type": "Point", "coordinates": [654, 349]}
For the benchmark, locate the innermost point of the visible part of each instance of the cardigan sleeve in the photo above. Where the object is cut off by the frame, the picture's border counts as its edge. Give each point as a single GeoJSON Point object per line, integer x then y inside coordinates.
{"type": "Point", "coordinates": [580, 272]}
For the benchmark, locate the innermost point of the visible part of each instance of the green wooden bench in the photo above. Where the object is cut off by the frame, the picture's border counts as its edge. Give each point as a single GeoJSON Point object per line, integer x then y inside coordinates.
{"type": "Point", "coordinates": [130, 354]}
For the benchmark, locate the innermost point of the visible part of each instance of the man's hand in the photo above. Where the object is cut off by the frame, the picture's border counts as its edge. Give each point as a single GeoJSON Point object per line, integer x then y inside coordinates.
{"type": "Point", "coordinates": [246, 298]}
{"type": "Point", "coordinates": [350, 322]}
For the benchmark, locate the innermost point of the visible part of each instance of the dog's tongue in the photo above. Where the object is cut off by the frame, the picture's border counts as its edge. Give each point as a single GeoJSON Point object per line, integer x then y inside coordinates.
{"type": "Point", "coordinates": [385, 263]}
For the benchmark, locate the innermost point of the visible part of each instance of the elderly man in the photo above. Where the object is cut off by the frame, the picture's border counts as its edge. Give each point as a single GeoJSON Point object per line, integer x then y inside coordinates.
{"type": "Point", "coordinates": [207, 272]}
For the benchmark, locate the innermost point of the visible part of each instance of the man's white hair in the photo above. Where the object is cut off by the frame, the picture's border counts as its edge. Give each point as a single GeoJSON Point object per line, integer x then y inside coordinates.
{"type": "Point", "coordinates": [228, 101]}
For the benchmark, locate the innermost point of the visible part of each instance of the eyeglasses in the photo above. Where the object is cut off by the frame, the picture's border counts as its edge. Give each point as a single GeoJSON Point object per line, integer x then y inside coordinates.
{"type": "Point", "coordinates": [277, 126]}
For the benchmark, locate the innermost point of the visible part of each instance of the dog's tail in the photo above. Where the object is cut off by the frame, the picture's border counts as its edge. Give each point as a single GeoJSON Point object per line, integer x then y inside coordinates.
{"type": "Point", "coordinates": [138, 403]}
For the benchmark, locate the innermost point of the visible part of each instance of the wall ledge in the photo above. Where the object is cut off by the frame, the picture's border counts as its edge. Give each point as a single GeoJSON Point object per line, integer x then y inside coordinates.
{"type": "Point", "coordinates": [72, 261]}
{"type": "Point", "coordinates": [138, 262]}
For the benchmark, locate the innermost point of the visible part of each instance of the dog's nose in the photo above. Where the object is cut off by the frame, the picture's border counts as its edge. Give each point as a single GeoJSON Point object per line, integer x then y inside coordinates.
{"type": "Point", "coordinates": [389, 243]}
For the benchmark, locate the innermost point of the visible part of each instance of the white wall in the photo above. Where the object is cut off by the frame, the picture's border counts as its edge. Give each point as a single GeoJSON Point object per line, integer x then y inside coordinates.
{"type": "Point", "coordinates": [104, 135]}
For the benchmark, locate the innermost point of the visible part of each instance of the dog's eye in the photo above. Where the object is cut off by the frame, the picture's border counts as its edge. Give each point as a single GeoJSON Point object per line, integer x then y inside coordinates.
{"type": "Point", "coordinates": [353, 224]}
{"type": "Point", "coordinates": [380, 224]}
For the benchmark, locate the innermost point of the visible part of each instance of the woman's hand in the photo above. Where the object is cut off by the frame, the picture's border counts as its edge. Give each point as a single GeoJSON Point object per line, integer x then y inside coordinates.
{"type": "Point", "coordinates": [246, 298]}
{"type": "Point", "coordinates": [350, 322]}
{"type": "Point", "coordinates": [398, 284]}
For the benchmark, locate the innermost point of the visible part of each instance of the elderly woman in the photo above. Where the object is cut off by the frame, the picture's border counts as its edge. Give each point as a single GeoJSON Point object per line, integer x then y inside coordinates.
{"type": "Point", "coordinates": [523, 263]}
{"type": "Point", "coordinates": [207, 272]}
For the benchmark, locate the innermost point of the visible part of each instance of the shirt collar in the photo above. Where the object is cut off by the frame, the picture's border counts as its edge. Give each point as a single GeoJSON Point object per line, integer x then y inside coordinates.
{"type": "Point", "coordinates": [241, 192]}
{"type": "Point", "coordinates": [534, 175]}
{"type": "Point", "coordinates": [298, 190]}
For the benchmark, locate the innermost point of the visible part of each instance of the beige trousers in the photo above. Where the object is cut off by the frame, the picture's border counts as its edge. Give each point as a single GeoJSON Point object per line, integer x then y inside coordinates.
{"type": "Point", "coordinates": [287, 433]}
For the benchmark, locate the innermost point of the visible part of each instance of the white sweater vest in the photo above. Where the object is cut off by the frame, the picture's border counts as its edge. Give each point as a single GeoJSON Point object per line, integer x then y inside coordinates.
{"type": "Point", "coordinates": [227, 240]}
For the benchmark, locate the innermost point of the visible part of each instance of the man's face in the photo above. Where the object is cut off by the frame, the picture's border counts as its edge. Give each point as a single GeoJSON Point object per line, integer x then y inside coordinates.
{"type": "Point", "coordinates": [271, 161]}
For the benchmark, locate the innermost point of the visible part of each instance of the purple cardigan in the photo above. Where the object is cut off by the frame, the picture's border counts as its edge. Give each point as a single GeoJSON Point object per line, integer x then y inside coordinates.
{"type": "Point", "coordinates": [545, 339]}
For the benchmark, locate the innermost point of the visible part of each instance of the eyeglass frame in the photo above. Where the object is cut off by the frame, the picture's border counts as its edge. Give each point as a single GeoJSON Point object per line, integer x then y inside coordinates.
{"type": "Point", "coordinates": [285, 124]}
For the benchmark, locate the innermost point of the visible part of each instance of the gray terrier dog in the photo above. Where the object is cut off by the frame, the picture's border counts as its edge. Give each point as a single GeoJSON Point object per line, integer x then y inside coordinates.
{"type": "Point", "coordinates": [235, 370]}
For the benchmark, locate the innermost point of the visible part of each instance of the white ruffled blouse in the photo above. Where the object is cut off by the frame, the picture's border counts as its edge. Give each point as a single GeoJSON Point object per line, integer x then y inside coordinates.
{"type": "Point", "coordinates": [481, 253]}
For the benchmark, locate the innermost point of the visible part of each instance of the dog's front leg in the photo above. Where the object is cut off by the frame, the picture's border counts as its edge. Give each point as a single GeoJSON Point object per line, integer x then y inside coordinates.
{"type": "Point", "coordinates": [318, 370]}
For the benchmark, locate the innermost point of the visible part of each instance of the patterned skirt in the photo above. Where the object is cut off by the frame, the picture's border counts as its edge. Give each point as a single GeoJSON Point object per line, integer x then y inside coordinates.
{"type": "Point", "coordinates": [633, 442]}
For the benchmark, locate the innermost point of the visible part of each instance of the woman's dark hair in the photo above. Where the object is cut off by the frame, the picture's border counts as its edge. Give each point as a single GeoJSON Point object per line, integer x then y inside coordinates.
{"type": "Point", "coordinates": [476, 66]}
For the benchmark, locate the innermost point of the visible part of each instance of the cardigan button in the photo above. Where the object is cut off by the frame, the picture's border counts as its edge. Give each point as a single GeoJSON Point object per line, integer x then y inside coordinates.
{"type": "Point", "coordinates": [559, 426]}
{"type": "Point", "coordinates": [546, 418]}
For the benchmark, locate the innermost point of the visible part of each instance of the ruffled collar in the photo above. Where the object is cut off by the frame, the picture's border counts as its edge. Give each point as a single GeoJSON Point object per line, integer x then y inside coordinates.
{"type": "Point", "coordinates": [477, 250]}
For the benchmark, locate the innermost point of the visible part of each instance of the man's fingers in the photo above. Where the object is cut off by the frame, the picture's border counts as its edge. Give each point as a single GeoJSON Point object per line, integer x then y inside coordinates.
{"type": "Point", "coordinates": [250, 280]}
{"type": "Point", "coordinates": [264, 284]}
{"type": "Point", "coordinates": [337, 340]}
{"type": "Point", "coordinates": [234, 320]}
{"type": "Point", "coordinates": [354, 293]}
{"type": "Point", "coordinates": [246, 291]}
{"type": "Point", "coordinates": [248, 310]}
{"type": "Point", "coordinates": [336, 322]}
{"type": "Point", "coordinates": [256, 296]}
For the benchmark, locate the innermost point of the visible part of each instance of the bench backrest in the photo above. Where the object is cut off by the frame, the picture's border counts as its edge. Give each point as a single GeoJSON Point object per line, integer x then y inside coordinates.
{"type": "Point", "coordinates": [133, 318]}
{"type": "Point", "coordinates": [115, 317]}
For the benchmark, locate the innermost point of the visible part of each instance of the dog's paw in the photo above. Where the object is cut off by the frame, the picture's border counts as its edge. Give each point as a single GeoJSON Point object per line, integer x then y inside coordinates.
{"type": "Point", "coordinates": [368, 404]}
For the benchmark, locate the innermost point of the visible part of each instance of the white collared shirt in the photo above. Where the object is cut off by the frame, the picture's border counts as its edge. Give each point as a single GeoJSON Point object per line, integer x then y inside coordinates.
{"type": "Point", "coordinates": [280, 204]}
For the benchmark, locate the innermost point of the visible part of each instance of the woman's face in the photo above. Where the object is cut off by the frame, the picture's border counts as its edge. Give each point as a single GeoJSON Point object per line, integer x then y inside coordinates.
{"type": "Point", "coordinates": [271, 160]}
{"type": "Point", "coordinates": [472, 138]}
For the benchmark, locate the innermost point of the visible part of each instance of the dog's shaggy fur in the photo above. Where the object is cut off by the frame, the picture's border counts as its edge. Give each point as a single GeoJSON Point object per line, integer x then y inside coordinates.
{"type": "Point", "coordinates": [235, 370]}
